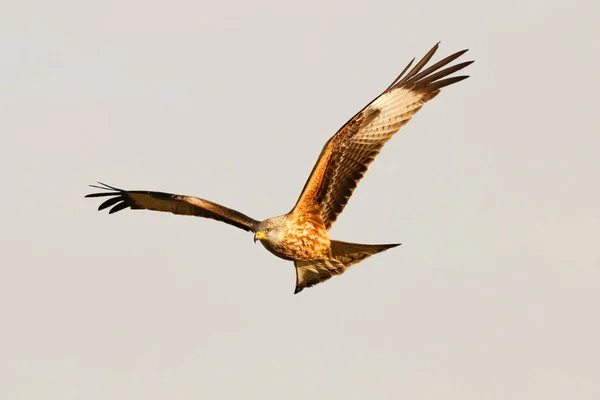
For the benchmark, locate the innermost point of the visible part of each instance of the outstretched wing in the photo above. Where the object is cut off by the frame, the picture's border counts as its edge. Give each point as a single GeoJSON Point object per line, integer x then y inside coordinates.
{"type": "Point", "coordinates": [309, 273]}
{"type": "Point", "coordinates": [120, 199]}
{"type": "Point", "coordinates": [347, 155]}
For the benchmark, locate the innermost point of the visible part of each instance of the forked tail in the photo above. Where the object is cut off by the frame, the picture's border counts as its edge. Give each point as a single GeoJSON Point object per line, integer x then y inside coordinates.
{"type": "Point", "coordinates": [351, 253]}
{"type": "Point", "coordinates": [309, 273]}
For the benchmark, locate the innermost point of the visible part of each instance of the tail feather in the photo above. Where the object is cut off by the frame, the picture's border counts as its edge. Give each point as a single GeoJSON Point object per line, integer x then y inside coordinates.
{"type": "Point", "coordinates": [309, 273]}
{"type": "Point", "coordinates": [352, 253]}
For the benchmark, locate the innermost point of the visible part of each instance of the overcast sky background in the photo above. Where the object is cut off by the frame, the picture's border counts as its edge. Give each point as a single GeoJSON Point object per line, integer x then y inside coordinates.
{"type": "Point", "coordinates": [493, 189]}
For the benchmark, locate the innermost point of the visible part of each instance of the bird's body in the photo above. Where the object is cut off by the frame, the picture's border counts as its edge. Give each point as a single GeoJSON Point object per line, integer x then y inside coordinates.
{"type": "Point", "coordinates": [295, 237]}
{"type": "Point", "coordinates": [302, 235]}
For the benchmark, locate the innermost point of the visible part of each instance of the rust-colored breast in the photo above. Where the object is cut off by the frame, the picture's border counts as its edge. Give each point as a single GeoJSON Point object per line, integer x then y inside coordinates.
{"type": "Point", "coordinates": [305, 239]}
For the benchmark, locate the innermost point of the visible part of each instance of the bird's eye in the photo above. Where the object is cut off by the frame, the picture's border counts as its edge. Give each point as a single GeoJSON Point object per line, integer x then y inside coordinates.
{"type": "Point", "coordinates": [268, 230]}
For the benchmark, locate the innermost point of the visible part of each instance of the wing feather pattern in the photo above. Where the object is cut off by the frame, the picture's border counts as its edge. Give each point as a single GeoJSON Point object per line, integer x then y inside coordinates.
{"type": "Point", "coordinates": [347, 155]}
{"type": "Point", "coordinates": [309, 273]}
{"type": "Point", "coordinates": [120, 199]}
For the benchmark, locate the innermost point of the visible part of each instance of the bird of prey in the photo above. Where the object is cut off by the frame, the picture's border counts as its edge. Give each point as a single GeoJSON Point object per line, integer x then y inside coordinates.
{"type": "Point", "coordinates": [301, 235]}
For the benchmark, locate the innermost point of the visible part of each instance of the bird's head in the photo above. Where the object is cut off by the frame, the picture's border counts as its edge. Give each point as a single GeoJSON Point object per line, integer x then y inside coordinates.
{"type": "Point", "coordinates": [270, 230]}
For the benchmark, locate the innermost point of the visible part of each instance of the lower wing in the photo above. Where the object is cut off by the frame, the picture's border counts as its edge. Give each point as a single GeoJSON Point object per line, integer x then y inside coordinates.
{"type": "Point", "coordinates": [120, 199]}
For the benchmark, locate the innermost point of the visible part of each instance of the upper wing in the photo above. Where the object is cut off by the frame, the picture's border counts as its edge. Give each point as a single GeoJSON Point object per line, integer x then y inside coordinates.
{"type": "Point", "coordinates": [174, 203]}
{"type": "Point", "coordinates": [347, 155]}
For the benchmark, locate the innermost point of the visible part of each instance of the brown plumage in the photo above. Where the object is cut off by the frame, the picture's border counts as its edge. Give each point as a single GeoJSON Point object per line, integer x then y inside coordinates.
{"type": "Point", "coordinates": [302, 235]}
{"type": "Point", "coordinates": [174, 203]}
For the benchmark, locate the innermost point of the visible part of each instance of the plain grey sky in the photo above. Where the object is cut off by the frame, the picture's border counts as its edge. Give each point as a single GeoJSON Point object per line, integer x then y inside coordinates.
{"type": "Point", "coordinates": [493, 189]}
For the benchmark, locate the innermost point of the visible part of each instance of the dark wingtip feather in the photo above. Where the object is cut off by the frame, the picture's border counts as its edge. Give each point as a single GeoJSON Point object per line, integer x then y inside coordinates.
{"type": "Point", "coordinates": [110, 202]}
{"type": "Point", "coordinates": [104, 186]}
{"type": "Point", "coordinates": [446, 82]}
{"type": "Point", "coordinates": [106, 194]}
{"type": "Point", "coordinates": [430, 78]}
{"type": "Point", "coordinates": [119, 207]}
{"type": "Point", "coordinates": [417, 68]}
{"type": "Point", "coordinates": [399, 77]}
{"type": "Point", "coordinates": [109, 187]}
{"type": "Point", "coordinates": [108, 191]}
{"type": "Point", "coordinates": [116, 197]}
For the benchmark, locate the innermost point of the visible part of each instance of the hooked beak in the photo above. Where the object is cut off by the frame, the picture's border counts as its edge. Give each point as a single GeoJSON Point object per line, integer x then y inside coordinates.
{"type": "Point", "coordinates": [259, 236]}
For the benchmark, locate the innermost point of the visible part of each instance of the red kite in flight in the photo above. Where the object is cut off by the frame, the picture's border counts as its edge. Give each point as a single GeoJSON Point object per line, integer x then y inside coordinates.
{"type": "Point", "coordinates": [301, 235]}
